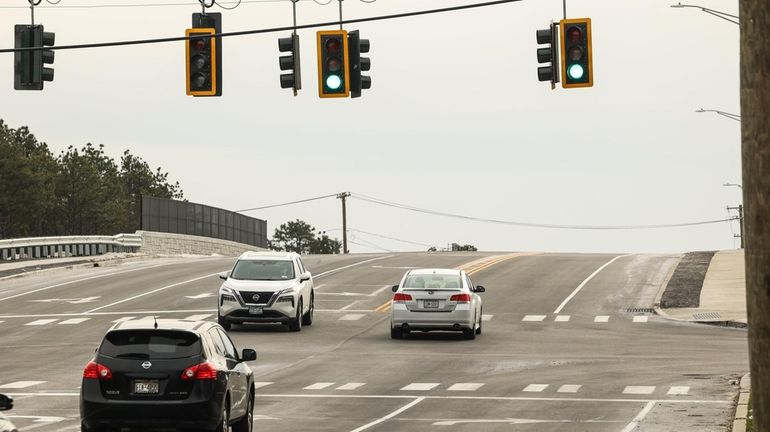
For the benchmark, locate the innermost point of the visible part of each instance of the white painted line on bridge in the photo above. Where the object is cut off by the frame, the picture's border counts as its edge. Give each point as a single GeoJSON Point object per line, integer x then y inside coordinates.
{"type": "Point", "coordinates": [588, 279]}
{"type": "Point", "coordinates": [350, 386]}
{"type": "Point", "coordinates": [21, 384]}
{"type": "Point", "coordinates": [678, 390]}
{"type": "Point", "coordinates": [641, 318]}
{"type": "Point", "coordinates": [74, 321]}
{"type": "Point", "coordinates": [639, 417]}
{"type": "Point", "coordinates": [261, 384]}
{"type": "Point", "coordinates": [562, 318]}
{"type": "Point", "coordinates": [318, 386]}
{"type": "Point", "coordinates": [465, 387]}
{"type": "Point", "coordinates": [389, 416]}
{"type": "Point", "coordinates": [420, 386]}
{"type": "Point", "coordinates": [535, 388]}
{"type": "Point", "coordinates": [602, 318]}
{"type": "Point", "coordinates": [638, 390]}
{"type": "Point", "coordinates": [486, 317]}
{"type": "Point", "coordinates": [41, 322]}
{"type": "Point", "coordinates": [569, 388]}
{"type": "Point", "coordinates": [199, 317]}
{"type": "Point", "coordinates": [533, 318]}
{"type": "Point", "coordinates": [351, 317]}
{"type": "Point", "coordinates": [328, 272]}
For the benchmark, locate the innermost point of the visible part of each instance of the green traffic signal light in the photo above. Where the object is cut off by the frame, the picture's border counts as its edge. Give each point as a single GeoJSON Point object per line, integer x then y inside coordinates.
{"type": "Point", "coordinates": [577, 53]}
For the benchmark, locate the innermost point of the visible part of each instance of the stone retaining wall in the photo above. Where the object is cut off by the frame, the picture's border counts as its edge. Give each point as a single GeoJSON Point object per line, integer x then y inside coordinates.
{"type": "Point", "coordinates": [174, 244]}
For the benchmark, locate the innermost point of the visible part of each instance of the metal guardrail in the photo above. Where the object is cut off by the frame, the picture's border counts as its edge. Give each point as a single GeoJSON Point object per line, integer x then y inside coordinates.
{"type": "Point", "coordinates": [59, 247]}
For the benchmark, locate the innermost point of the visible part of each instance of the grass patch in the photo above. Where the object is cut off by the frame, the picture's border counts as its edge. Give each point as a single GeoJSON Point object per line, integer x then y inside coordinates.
{"type": "Point", "coordinates": [750, 419]}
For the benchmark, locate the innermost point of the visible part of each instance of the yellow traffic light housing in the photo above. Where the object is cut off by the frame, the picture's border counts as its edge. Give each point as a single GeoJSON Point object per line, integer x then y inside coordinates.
{"type": "Point", "coordinates": [201, 62]}
{"type": "Point", "coordinates": [333, 66]}
{"type": "Point", "coordinates": [576, 53]}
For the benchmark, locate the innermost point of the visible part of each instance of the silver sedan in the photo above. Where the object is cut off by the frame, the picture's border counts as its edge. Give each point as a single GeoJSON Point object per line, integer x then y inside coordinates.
{"type": "Point", "coordinates": [436, 299]}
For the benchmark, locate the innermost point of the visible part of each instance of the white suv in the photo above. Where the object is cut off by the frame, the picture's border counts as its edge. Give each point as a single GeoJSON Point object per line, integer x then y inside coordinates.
{"type": "Point", "coordinates": [267, 287]}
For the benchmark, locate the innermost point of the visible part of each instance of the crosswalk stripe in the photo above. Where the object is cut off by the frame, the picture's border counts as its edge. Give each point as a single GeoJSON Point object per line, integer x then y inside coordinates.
{"type": "Point", "coordinates": [120, 320]}
{"type": "Point", "coordinates": [535, 388]}
{"type": "Point", "coordinates": [486, 317]}
{"type": "Point", "coordinates": [319, 386]}
{"type": "Point", "coordinates": [678, 391]}
{"type": "Point", "coordinates": [533, 318]}
{"type": "Point", "coordinates": [569, 388]}
{"type": "Point", "coordinates": [420, 386]}
{"type": "Point", "coordinates": [350, 386]}
{"type": "Point", "coordinates": [261, 384]}
{"type": "Point", "coordinates": [21, 384]}
{"type": "Point", "coordinates": [41, 322]}
{"type": "Point", "coordinates": [465, 387]}
{"type": "Point", "coordinates": [602, 318]}
{"type": "Point", "coordinates": [639, 390]}
{"type": "Point", "coordinates": [562, 318]}
{"type": "Point", "coordinates": [74, 321]}
{"type": "Point", "coordinates": [200, 317]}
{"type": "Point", "coordinates": [641, 318]}
{"type": "Point", "coordinates": [351, 317]}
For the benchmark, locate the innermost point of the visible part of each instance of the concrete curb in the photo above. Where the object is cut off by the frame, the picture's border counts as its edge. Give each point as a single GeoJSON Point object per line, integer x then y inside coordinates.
{"type": "Point", "coordinates": [742, 408]}
{"type": "Point", "coordinates": [92, 263]}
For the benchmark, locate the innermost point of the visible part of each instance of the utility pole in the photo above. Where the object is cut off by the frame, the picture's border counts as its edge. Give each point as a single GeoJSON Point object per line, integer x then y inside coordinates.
{"type": "Point", "coordinates": [755, 145]}
{"type": "Point", "coordinates": [740, 221]}
{"type": "Point", "coordinates": [343, 196]}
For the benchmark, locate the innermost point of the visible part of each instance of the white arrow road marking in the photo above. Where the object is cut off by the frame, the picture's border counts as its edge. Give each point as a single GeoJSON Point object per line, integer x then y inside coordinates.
{"type": "Point", "coordinates": [200, 296]}
{"type": "Point", "coordinates": [70, 301]}
{"type": "Point", "coordinates": [38, 419]}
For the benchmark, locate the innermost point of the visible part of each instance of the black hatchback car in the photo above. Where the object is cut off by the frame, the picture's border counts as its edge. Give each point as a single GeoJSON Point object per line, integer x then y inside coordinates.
{"type": "Point", "coordinates": [167, 375]}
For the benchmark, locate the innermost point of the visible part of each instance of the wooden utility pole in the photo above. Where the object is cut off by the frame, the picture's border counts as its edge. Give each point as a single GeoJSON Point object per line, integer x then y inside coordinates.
{"type": "Point", "coordinates": [342, 196]}
{"type": "Point", "coordinates": [739, 208]}
{"type": "Point", "coordinates": [755, 137]}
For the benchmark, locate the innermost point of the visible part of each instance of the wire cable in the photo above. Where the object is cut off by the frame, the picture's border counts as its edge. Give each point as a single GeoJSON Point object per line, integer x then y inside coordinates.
{"type": "Point", "coordinates": [285, 204]}
{"type": "Point", "coordinates": [223, 7]}
{"type": "Point", "coordinates": [270, 30]}
{"type": "Point", "coordinates": [529, 224]}
{"type": "Point", "coordinates": [390, 238]}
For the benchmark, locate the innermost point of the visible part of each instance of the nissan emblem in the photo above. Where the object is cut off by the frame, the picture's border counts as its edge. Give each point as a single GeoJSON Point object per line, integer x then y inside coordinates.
{"type": "Point", "coordinates": [146, 365]}
{"type": "Point", "coordinates": [255, 297]}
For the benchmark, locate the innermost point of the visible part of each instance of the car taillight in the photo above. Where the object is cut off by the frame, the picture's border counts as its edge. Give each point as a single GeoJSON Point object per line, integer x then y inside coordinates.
{"type": "Point", "coordinates": [203, 371]}
{"type": "Point", "coordinates": [401, 297]}
{"type": "Point", "coordinates": [461, 298]}
{"type": "Point", "coordinates": [94, 370]}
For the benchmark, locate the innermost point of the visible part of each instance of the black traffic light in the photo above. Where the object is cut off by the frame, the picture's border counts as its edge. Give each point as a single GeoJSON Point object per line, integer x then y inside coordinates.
{"type": "Point", "coordinates": [333, 65]}
{"type": "Point", "coordinates": [357, 64]}
{"type": "Point", "coordinates": [290, 62]}
{"type": "Point", "coordinates": [548, 54]}
{"type": "Point", "coordinates": [576, 53]}
{"type": "Point", "coordinates": [28, 70]}
{"type": "Point", "coordinates": [203, 55]}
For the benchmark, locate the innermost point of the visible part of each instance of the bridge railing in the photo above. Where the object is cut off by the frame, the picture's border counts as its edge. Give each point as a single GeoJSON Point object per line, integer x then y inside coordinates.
{"type": "Point", "coordinates": [71, 246]}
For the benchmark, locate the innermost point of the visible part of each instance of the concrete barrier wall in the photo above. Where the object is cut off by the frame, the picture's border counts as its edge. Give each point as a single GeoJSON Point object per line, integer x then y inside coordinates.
{"type": "Point", "coordinates": [173, 244]}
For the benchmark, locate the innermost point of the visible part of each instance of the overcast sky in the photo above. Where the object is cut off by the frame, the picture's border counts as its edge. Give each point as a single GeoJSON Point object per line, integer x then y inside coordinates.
{"type": "Point", "coordinates": [456, 120]}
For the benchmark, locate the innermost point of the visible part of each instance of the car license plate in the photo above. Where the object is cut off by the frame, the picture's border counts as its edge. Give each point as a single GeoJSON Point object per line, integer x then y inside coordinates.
{"type": "Point", "coordinates": [255, 310]}
{"type": "Point", "coordinates": [146, 386]}
{"type": "Point", "coordinates": [430, 304]}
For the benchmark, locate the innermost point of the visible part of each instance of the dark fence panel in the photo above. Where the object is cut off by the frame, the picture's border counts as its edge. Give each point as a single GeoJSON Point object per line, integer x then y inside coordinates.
{"type": "Point", "coordinates": [179, 217]}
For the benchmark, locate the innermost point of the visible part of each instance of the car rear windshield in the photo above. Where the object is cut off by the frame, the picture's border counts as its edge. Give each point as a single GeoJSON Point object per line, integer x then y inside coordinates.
{"type": "Point", "coordinates": [150, 344]}
{"type": "Point", "coordinates": [433, 281]}
{"type": "Point", "coordinates": [263, 270]}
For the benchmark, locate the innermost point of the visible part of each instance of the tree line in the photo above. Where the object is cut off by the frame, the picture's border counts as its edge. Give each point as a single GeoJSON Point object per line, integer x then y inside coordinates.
{"type": "Point", "coordinates": [77, 192]}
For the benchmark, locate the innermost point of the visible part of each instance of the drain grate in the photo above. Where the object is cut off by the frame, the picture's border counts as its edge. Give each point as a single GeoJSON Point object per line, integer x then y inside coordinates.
{"type": "Point", "coordinates": [640, 310]}
{"type": "Point", "coordinates": [706, 316]}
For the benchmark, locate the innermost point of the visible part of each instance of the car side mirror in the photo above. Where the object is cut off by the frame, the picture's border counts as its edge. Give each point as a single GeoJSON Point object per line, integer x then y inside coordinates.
{"type": "Point", "coordinates": [248, 355]}
{"type": "Point", "coordinates": [223, 275]}
{"type": "Point", "coordinates": [480, 289]}
{"type": "Point", "coordinates": [394, 288]}
{"type": "Point", "coordinates": [6, 402]}
{"type": "Point", "coordinates": [305, 276]}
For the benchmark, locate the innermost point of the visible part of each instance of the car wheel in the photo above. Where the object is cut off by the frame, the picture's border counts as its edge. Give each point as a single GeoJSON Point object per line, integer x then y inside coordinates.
{"type": "Point", "coordinates": [246, 423]}
{"type": "Point", "coordinates": [84, 428]}
{"type": "Point", "coordinates": [224, 425]}
{"type": "Point", "coordinates": [471, 332]}
{"type": "Point", "coordinates": [224, 323]}
{"type": "Point", "coordinates": [396, 333]}
{"type": "Point", "coordinates": [295, 325]}
{"type": "Point", "coordinates": [478, 329]}
{"type": "Point", "coordinates": [307, 319]}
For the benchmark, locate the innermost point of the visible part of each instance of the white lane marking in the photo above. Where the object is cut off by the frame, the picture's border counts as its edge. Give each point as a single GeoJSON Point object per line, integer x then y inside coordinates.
{"type": "Point", "coordinates": [514, 421]}
{"type": "Point", "coordinates": [638, 390]}
{"type": "Point", "coordinates": [328, 272]}
{"type": "Point", "coordinates": [562, 318]}
{"type": "Point", "coordinates": [348, 306]}
{"type": "Point", "coordinates": [261, 384]}
{"type": "Point", "coordinates": [70, 301]}
{"type": "Point", "coordinates": [602, 318]}
{"type": "Point", "coordinates": [380, 290]}
{"type": "Point", "coordinates": [80, 314]}
{"type": "Point", "coordinates": [152, 292]}
{"type": "Point", "coordinates": [200, 296]}
{"type": "Point", "coordinates": [40, 322]}
{"type": "Point", "coordinates": [569, 388]}
{"type": "Point", "coordinates": [533, 318]}
{"type": "Point", "coordinates": [465, 387]}
{"type": "Point", "coordinates": [21, 384]}
{"type": "Point", "coordinates": [588, 279]}
{"type": "Point", "coordinates": [200, 317]}
{"type": "Point", "coordinates": [74, 321]}
{"type": "Point", "coordinates": [350, 386]}
{"type": "Point", "coordinates": [353, 294]}
{"type": "Point", "coordinates": [420, 386]}
{"type": "Point", "coordinates": [81, 280]}
{"type": "Point", "coordinates": [641, 318]}
{"type": "Point", "coordinates": [2, 322]}
{"type": "Point", "coordinates": [678, 391]}
{"type": "Point", "coordinates": [389, 416]}
{"type": "Point", "coordinates": [396, 268]}
{"type": "Point", "coordinates": [486, 317]}
{"type": "Point", "coordinates": [351, 317]}
{"type": "Point", "coordinates": [318, 287]}
{"type": "Point", "coordinates": [120, 320]}
{"type": "Point", "coordinates": [535, 388]}
{"type": "Point", "coordinates": [319, 386]}
{"type": "Point", "coordinates": [639, 417]}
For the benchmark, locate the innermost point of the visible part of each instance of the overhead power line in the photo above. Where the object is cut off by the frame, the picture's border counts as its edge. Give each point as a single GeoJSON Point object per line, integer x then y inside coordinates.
{"type": "Point", "coordinates": [383, 236]}
{"type": "Point", "coordinates": [144, 5]}
{"type": "Point", "coordinates": [529, 224]}
{"type": "Point", "coordinates": [287, 203]}
{"type": "Point", "coordinates": [271, 30]}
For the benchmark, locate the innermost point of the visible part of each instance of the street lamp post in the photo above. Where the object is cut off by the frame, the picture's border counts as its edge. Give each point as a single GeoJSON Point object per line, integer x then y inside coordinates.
{"type": "Point", "coordinates": [735, 117]}
{"type": "Point", "coordinates": [724, 15]}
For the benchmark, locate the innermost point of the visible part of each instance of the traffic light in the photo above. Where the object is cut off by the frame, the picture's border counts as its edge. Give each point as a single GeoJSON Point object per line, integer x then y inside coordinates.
{"type": "Point", "coordinates": [201, 62]}
{"type": "Point", "coordinates": [290, 62]}
{"type": "Point", "coordinates": [28, 70]}
{"type": "Point", "coordinates": [548, 54]}
{"type": "Point", "coordinates": [333, 65]}
{"type": "Point", "coordinates": [576, 53]}
{"type": "Point", "coordinates": [357, 64]}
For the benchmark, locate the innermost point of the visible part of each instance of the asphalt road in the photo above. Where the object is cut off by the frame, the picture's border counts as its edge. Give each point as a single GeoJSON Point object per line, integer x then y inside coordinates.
{"type": "Point", "coordinates": [566, 346]}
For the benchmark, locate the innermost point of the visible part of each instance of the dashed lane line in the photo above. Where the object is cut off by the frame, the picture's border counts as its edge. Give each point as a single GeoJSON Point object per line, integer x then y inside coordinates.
{"type": "Point", "coordinates": [533, 318]}
{"type": "Point", "coordinates": [535, 388]}
{"type": "Point", "coordinates": [569, 388]}
{"type": "Point", "coordinates": [585, 282]}
{"type": "Point", "coordinates": [21, 384]}
{"type": "Point", "coordinates": [74, 321]}
{"type": "Point", "coordinates": [420, 386]}
{"type": "Point", "coordinates": [562, 318]}
{"type": "Point", "coordinates": [351, 317]}
{"type": "Point", "coordinates": [678, 391]}
{"type": "Point", "coordinates": [350, 386]}
{"type": "Point", "coordinates": [318, 386]}
{"type": "Point", "coordinates": [465, 387]}
{"type": "Point", "coordinates": [639, 390]}
{"type": "Point", "coordinates": [602, 318]}
{"type": "Point", "coordinates": [41, 322]}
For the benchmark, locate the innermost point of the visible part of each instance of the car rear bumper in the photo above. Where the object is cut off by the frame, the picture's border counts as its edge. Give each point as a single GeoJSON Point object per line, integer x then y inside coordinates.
{"type": "Point", "coordinates": [459, 319]}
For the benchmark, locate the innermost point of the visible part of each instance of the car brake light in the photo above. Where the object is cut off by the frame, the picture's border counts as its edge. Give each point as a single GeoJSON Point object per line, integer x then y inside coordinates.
{"type": "Point", "coordinates": [203, 371]}
{"type": "Point", "coordinates": [94, 370]}
{"type": "Point", "coordinates": [401, 297]}
{"type": "Point", "coordinates": [461, 298]}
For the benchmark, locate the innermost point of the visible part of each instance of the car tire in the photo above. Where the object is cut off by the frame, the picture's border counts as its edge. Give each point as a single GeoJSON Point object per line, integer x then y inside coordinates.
{"type": "Point", "coordinates": [224, 323]}
{"type": "Point", "coordinates": [307, 319]}
{"type": "Point", "coordinates": [84, 428]}
{"type": "Point", "coordinates": [224, 423]}
{"type": "Point", "coordinates": [246, 423]}
{"type": "Point", "coordinates": [295, 324]}
{"type": "Point", "coordinates": [478, 329]}
{"type": "Point", "coordinates": [471, 332]}
{"type": "Point", "coordinates": [396, 333]}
